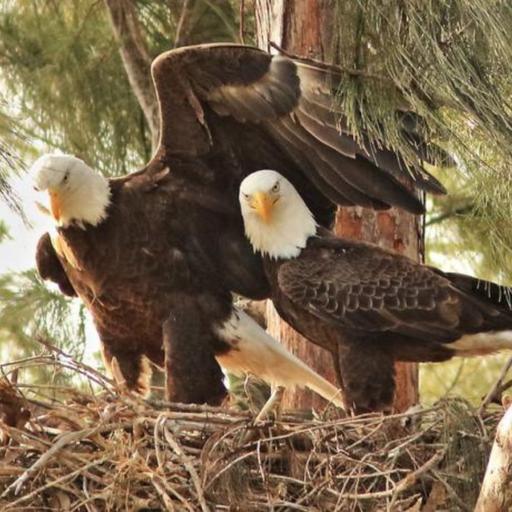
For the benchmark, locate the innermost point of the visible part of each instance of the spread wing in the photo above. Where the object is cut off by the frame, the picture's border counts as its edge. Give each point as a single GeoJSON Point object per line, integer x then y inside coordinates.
{"type": "Point", "coordinates": [364, 288]}
{"type": "Point", "coordinates": [50, 268]}
{"type": "Point", "coordinates": [221, 100]}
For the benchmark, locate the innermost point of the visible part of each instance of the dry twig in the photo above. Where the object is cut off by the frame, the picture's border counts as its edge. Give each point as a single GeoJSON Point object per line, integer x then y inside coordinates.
{"type": "Point", "coordinates": [98, 450]}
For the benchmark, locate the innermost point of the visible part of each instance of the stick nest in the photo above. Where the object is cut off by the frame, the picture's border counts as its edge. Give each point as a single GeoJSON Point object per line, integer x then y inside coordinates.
{"type": "Point", "coordinates": [103, 450]}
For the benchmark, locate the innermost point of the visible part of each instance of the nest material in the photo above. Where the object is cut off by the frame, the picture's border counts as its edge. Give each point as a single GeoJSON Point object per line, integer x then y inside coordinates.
{"type": "Point", "coordinates": [104, 450]}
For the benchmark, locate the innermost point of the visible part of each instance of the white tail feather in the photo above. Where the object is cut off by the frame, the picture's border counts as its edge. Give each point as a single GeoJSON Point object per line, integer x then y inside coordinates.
{"type": "Point", "coordinates": [482, 343]}
{"type": "Point", "coordinates": [255, 351]}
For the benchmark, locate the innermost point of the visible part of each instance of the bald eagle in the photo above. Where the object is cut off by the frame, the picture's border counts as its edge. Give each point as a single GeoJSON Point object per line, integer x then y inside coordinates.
{"type": "Point", "coordinates": [155, 255]}
{"type": "Point", "coordinates": [366, 305]}
{"type": "Point", "coordinates": [146, 301]}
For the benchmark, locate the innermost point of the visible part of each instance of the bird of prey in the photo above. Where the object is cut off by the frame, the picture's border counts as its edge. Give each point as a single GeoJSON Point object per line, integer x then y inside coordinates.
{"type": "Point", "coordinates": [368, 306]}
{"type": "Point", "coordinates": [156, 255]}
{"type": "Point", "coordinates": [134, 281]}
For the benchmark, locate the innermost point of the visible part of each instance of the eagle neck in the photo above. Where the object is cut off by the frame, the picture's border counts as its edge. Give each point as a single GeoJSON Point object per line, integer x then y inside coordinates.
{"type": "Point", "coordinates": [285, 238]}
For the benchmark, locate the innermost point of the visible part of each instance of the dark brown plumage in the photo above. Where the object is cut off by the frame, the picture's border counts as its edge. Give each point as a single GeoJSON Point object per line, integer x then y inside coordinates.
{"type": "Point", "coordinates": [368, 306]}
{"type": "Point", "coordinates": [173, 234]}
{"type": "Point", "coordinates": [371, 307]}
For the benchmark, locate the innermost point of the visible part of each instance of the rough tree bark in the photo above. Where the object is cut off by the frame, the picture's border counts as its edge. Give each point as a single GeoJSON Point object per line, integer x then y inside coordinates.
{"type": "Point", "coordinates": [304, 27]}
{"type": "Point", "coordinates": [136, 60]}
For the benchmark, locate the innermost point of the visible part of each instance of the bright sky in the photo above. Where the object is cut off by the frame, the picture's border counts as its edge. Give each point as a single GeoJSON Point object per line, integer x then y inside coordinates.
{"type": "Point", "coordinates": [18, 253]}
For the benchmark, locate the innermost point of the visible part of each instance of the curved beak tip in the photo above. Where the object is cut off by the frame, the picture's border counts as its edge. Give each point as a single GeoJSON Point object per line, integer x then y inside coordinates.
{"type": "Point", "coordinates": [263, 205]}
{"type": "Point", "coordinates": [55, 205]}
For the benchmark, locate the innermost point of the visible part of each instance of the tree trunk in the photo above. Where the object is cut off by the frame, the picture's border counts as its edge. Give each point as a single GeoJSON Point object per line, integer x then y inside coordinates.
{"type": "Point", "coordinates": [304, 27]}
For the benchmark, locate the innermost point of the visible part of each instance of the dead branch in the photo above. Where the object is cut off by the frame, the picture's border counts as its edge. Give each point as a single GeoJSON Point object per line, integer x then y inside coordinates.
{"type": "Point", "coordinates": [496, 490]}
{"type": "Point", "coordinates": [494, 393]}
{"type": "Point", "coordinates": [136, 60]}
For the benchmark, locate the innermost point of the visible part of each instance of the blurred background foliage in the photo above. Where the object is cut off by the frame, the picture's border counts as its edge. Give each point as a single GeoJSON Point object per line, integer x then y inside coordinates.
{"type": "Point", "coordinates": [64, 87]}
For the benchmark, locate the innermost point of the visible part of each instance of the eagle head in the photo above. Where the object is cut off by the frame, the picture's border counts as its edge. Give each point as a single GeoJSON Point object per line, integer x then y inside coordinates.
{"type": "Point", "coordinates": [76, 192]}
{"type": "Point", "coordinates": [277, 221]}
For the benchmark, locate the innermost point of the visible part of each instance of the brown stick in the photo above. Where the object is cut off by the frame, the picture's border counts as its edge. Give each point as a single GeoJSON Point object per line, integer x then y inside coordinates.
{"type": "Point", "coordinates": [496, 491]}
{"type": "Point", "coordinates": [497, 389]}
{"type": "Point", "coordinates": [241, 31]}
{"type": "Point", "coordinates": [136, 59]}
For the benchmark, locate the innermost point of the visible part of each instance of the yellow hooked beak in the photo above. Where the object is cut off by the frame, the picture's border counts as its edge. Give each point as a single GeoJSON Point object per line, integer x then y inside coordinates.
{"type": "Point", "coordinates": [55, 204]}
{"type": "Point", "coordinates": [263, 205]}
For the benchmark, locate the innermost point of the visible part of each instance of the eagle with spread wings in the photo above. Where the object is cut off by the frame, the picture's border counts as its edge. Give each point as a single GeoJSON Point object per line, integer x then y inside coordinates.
{"type": "Point", "coordinates": [157, 254]}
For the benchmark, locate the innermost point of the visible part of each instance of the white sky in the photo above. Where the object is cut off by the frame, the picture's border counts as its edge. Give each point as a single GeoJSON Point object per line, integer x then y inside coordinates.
{"type": "Point", "coordinates": [18, 253]}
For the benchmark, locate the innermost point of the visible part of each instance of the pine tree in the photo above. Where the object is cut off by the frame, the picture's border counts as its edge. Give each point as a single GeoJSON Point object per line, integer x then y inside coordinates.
{"type": "Point", "coordinates": [447, 62]}
{"type": "Point", "coordinates": [66, 86]}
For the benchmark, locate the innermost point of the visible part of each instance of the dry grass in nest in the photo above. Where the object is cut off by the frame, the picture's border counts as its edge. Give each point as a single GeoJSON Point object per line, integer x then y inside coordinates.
{"type": "Point", "coordinates": [100, 450]}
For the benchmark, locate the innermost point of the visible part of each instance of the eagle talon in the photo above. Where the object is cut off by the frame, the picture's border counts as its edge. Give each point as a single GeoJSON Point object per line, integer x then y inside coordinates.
{"type": "Point", "coordinates": [272, 405]}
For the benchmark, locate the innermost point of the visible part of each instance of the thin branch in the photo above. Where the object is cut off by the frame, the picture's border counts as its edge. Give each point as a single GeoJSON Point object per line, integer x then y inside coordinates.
{"type": "Point", "coordinates": [332, 67]}
{"type": "Point", "coordinates": [461, 210]}
{"type": "Point", "coordinates": [241, 29]}
{"type": "Point", "coordinates": [179, 39]}
{"type": "Point", "coordinates": [497, 387]}
{"type": "Point", "coordinates": [136, 59]}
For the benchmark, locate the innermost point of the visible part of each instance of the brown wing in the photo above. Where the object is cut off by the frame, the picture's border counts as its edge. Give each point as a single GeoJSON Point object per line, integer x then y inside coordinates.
{"type": "Point", "coordinates": [364, 288]}
{"type": "Point", "coordinates": [50, 268]}
{"type": "Point", "coordinates": [203, 88]}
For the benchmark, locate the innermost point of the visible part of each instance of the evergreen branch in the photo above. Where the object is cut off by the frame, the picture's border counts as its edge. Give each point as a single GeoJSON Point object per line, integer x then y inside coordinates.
{"type": "Point", "coordinates": [461, 210]}
{"type": "Point", "coordinates": [333, 67]}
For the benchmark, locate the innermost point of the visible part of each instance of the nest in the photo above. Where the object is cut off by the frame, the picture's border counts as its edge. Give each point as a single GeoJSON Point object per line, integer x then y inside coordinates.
{"type": "Point", "coordinates": [100, 449]}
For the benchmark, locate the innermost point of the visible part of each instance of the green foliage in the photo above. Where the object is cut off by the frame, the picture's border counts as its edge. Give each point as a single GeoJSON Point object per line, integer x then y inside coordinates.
{"type": "Point", "coordinates": [4, 232]}
{"type": "Point", "coordinates": [448, 62]}
{"type": "Point", "coordinates": [29, 309]}
{"type": "Point", "coordinates": [10, 162]}
{"type": "Point", "coordinates": [179, 23]}
{"type": "Point", "coordinates": [248, 392]}
{"type": "Point", "coordinates": [75, 94]}
{"type": "Point", "coordinates": [436, 58]}
{"type": "Point", "coordinates": [471, 378]}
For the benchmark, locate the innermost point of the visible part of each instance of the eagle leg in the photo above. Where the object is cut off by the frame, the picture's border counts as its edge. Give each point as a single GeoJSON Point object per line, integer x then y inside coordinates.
{"type": "Point", "coordinates": [368, 376]}
{"type": "Point", "coordinates": [271, 405]}
{"type": "Point", "coordinates": [192, 372]}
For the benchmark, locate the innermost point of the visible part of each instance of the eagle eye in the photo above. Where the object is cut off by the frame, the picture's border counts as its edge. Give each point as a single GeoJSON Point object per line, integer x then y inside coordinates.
{"type": "Point", "coordinates": [275, 188]}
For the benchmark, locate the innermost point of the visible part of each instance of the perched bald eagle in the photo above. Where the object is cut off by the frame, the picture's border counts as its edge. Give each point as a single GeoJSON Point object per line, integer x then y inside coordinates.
{"type": "Point", "coordinates": [368, 306]}
{"type": "Point", "coordinates": [146, 301]}
{"type": "Point", "coordinates": [155, 255]}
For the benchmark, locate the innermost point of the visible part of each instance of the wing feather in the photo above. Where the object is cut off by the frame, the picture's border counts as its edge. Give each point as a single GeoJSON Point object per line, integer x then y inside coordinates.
{"type": "Point", "coordinates": [49, 266]}
{"type": "Point", "coordinates": [361, 287]}
{"type": "Point", "coordinates": [289, 101]}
